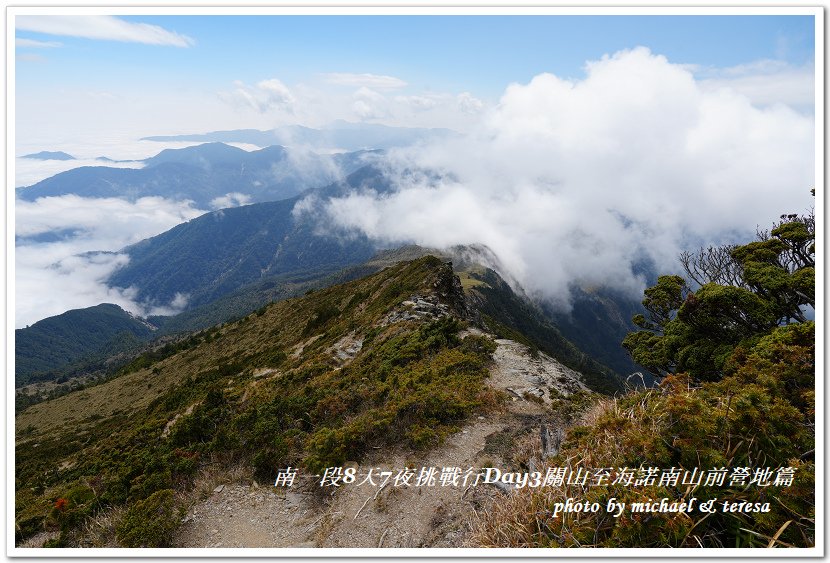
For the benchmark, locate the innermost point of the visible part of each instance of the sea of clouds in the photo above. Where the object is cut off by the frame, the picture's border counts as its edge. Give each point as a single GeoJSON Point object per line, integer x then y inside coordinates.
{"type": "Point", "coordinates": [570, 182]}
{"type": "Point", "coordinates": [577, 182]}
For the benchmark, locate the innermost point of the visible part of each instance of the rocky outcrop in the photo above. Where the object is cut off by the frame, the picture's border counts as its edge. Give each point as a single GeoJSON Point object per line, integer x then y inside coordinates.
{"type": "Point", "coordinates": [448, 289]}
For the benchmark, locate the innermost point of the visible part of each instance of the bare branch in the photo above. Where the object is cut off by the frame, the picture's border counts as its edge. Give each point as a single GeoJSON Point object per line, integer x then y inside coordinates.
{"type": "Point", "coordinates": [713, 265]}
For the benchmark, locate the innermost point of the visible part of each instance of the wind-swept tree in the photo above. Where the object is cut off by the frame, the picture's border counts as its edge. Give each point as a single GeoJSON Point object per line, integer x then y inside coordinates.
{"type": "Point", "coordinates": [742, 293]}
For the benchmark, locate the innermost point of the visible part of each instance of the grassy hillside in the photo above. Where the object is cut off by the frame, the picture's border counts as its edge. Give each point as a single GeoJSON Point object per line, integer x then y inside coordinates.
{"type": "Point", "coordinates": [312, 381]}
{"type": "Point", "coordinates": [507, 311]}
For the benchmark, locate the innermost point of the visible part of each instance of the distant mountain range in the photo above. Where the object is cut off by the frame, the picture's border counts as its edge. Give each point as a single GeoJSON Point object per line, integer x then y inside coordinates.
{"type": "Point", "coordinates": [207, 174]}
{"type": "Point", "coordinates": [340, 135]}
{"type": "Point", "coordinates": [214, 174]}
{"type": "Point", "coordinates": [49, 155]}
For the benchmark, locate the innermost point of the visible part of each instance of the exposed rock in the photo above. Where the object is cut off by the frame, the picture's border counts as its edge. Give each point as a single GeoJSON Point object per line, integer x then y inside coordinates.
{"type": "Point", "coordinates": [175, 419]}
{"type": "Point", "coordinates": [417, 307]}
{"type": "Point", "coordinates": [449, 290]}
{"type": "Point", "coordinates": [345, 349]}
{"type": "Point", "coordinates": [523, 374]}
{"type": "Point", "coordinates": [298, 349]}
{"type": "Point", "coordinates": [551, 441]}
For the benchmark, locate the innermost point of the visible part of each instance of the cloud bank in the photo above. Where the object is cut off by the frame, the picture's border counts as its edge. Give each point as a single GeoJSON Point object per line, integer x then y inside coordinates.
{"type": "Point", "coordinates": [58, 263]}
{"type": "Point", "coordinates": [576, 183]}
{"type": "Point", "coordinates": [766, 82]}
{"type": "Point", "coordinates": [265, 96]}
{"type": "Point", "coordinates": [232, 199]}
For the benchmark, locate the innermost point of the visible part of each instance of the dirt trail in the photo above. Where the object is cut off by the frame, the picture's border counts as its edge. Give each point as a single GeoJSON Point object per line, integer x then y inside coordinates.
{"type": "Point", "coordinates": [360, 514]}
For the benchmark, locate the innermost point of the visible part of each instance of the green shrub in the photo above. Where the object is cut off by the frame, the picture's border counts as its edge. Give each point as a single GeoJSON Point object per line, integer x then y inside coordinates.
{"type": "Point", "coordinates": [760, 415]}
{"type": "Point", "coordinates": [149, 522]}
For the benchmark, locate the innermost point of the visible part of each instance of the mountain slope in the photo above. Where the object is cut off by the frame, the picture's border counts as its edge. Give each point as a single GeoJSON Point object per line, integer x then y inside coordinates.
{"type": "Point", "coordinates": [57, 341]}
{"type": "Point", "coordinates": [599, 321]}
{"type": "Point", "coordinates": [314, 381]}
{"type": "Point", "coordinates": [388, 368]}
{"type": "Point", "coordinates": [206, 174]}
{"type": "Point", "coordinates": [511, 316]}
{"type": "Point", "coordinates": [372, 515]}
{"type": "Point", "coordinates": [508, 313]}
{"type": "Point", "coordinates": [217, 253]}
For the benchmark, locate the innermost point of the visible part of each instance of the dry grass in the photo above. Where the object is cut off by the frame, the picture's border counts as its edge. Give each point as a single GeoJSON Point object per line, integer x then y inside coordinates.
{"type": "Point", "coordinates": [527, 450]}
{"type": "Point", "coordinates": [82, 409]}
{"type": "Point", "coordinates": [211, 476]}
{"type": "Point", "coordinates": [595, 411]}
{"type": "Point", "coordinates": [678, 424]}
{"type": "Point", "coordinates": [99, 531]}
{"type": "Point", "coordinates": [38, 539]}
{"type": "Point", "coordinates": [523, 518]}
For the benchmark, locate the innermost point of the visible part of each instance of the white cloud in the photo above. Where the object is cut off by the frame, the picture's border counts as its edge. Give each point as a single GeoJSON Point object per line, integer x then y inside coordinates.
{"type": "Point", "coordinates": [375, 81]}
{"type": "Point", "coordinates": [765, 82]}
{"type": "Point", "coordinates": [421, 102]}
{"type": "Point", "coordinates": [265, 96]}
{"type": "Point", "coordinates": [66, 271]}
{"type": "Point", "coordinates": [31, 57]}
{"type": "Point", "coordinates": [49, 282]}
{"type": "Point", "coordinates": [276, 92]}
{"type": "Point", "coordinates": [102, 27]}
{"type": "Point", "coordinates": [176, 305]}
{"type": "Point", "coordinates": [468, 103]}
{"type": "Point", "coordinates": [369, 104]}
{"type": "Point", "coordinates": [233, 199]}
{"type": "Point", "coordinates": [318, 105]}
{"type": "Point", "coordinates": [34, 44]}
{"type": "Point", "coordinates": [576, 182]}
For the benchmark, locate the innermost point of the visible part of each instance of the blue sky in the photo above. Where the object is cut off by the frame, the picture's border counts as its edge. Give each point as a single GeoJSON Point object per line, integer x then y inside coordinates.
{"type": "Point", "coordinates": [479, 53]}
{"type": "Point", "coordinates": [484, 52]}
{"type": "Point", "coordinates": [432, 60]}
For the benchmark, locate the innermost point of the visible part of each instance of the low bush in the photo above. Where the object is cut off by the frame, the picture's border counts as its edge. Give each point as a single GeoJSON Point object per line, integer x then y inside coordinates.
{"type": "Point", "coordinates": [760, 415]}
{"type": "Point", "coordinates": [149, 522]}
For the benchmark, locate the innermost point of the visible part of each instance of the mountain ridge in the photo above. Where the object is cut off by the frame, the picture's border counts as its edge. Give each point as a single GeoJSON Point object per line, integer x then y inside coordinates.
{"type": "Point", "coordinates": [207, 175]}
{"type": "Point", "coordinates": [340, 135]}
{"type": "Point", "coordinates": [392, 362]}
{"type": "Point", "coordinates": [49, 155]}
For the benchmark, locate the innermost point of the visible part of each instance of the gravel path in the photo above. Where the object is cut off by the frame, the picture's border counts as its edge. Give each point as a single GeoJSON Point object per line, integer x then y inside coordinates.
{"type": "Point", "coordinates": [250, 514]}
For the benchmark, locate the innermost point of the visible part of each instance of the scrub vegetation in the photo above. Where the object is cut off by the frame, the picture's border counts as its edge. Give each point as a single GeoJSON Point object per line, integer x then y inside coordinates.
{"type": "Point", "coordinates": [309, 382]}
{"type": "Point", "coordinates": [736, 362]}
